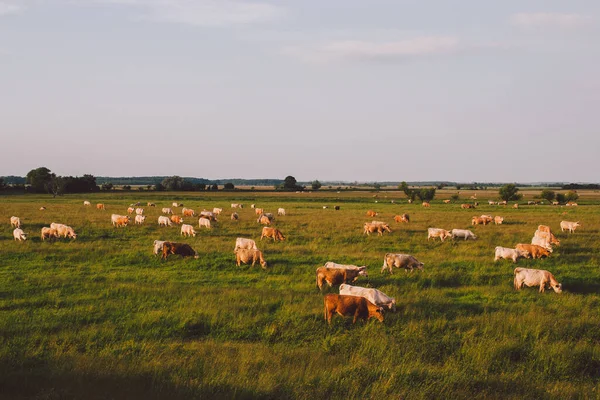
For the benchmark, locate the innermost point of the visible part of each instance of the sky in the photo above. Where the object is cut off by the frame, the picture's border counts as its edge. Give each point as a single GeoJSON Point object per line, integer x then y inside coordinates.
{"type": "Point", "coordinates": [354, 90]}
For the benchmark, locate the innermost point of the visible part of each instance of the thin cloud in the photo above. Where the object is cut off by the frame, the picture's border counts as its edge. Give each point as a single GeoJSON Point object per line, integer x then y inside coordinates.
{"type": "Point", "coordinates": [541, 20]}
{"type": "Point", "coordinates": [6, 9]}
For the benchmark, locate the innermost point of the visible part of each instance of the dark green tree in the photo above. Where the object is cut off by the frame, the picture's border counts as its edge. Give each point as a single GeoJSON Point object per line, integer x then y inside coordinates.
{"type": "Point", "coordinates": [426, 194]}
{"type": "Point", "coordinates": [315, 185]}
{"type": "Point", "coordinates": [228, 186]}
{"type": "Point", "coordinates": [107, 186]}
{"type": "Point", "coordinates": [173, 183]}
{"type": "Point", "coordinates": [548, 195]}
{"type": "Point", "coordinates": [561, 198]}
{"type": "Point", "coordinates": [39, 179]}
{"type": "Point", "coordinates": [571, 196]}
{"type": "Point", "coordinates": [509, 192]}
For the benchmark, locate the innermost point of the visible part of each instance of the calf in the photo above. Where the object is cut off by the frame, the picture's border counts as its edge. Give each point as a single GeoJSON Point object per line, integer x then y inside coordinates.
{"type": "Point", "coordinates": [536, 277]}
{"type": "Point", "coordinates": [348, 306]}
{"type": "Point", "coordinates": [335, 276]}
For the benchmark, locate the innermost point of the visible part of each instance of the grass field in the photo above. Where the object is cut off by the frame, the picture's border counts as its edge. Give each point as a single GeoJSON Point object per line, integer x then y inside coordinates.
{"type": "Point", "coordinates": [101, 317]}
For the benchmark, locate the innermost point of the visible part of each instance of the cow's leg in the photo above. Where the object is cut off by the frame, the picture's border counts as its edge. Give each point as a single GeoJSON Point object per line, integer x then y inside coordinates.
{"type": "Point", "coordinates": [542, 287]}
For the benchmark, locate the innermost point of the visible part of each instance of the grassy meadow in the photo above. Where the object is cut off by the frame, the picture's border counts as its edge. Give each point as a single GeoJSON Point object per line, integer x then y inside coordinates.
{"type": "Point", "coordinates": [101, 317]}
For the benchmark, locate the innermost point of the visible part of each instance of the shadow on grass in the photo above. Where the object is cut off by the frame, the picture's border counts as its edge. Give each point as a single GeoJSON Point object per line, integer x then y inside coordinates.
{"type": "Point", "coordinates": [581, 286]}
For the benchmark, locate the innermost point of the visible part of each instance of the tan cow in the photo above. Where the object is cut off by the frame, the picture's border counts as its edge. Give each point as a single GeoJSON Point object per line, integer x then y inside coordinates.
{"type": "Point", "coordinates": [570, 226]}
{"type": "Point", "coordinates": [187, 230]}
{"type": "Point", "coordinates": [437, 232]}
{"type": "Point", "coordinates": [351, 306]}
{"type": "Point", "coordinates": [167, 210]}
{"type": "Point", "coordinates": [258, 211]}
{"type": "Point", "coordinates": [516, 205]}
{"type": "Point", "coordinates": [533, 250]}
{"type": "Point", "coordinates": [371, 213]}
{"type": "Point", "coordinates": [487, 218]}
{"type": "Point", "coordinates": [498, 220]}
{"type": "Point", "coordinates": [446, 201]}
{"type": "Point", "coordinates": [139, 219]}
{"type": "Point", "coordinates": [19, 235]}
{"type": "Point", "coordinates": [250, 256]}
{"type": "Point", "coordinates": [466, 206]}
{"type": "Point", "coordinates": [264, 220]}
{"type": "Point", "coordinates": [406, 261]}
{"type": "Point", "coordinates": [176, 219]}
{"type": "Point", "coordinates": [379, 227]}
{"type": "Point", "coordinates": [188, 212]}
{"type": "Point", "coordinates": [217, 211]}
{"type": "Point", "coordinates": [15, 222]}
{"type": "Point", "coordinates": [119, 220]}
{"type": "Point", "coordinates": [65, 231]}
{"type": "Point", "coordinates": [426, 204]}
{"type": "Point", "coordinates": [402, 218]}
{"type": "Point", "coordinates": [87, 203]}
{"type": "Point", "coordinates": [139, 211]}
{"type": "Point", "coordinates": [336, 276]}
{"type": "Point", "coordinates": [100, 206]}
{"type": "Point", "coordinates": [235, 216]}
{"type": "Point", "coordinates": [49, 233]}
{"type": "Point", "coordinates": [272, 233]}
{"type": "Point", "coordinates": [536, 277]}
{"type": "Point", "coordinates": [130, 210]}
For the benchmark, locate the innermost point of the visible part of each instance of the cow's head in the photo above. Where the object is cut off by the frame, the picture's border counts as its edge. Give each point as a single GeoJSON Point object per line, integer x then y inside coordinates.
{"type": "Point", "coordinates": [378, 313]}
{"type": "Point", "coordinates": [420, 266]}
{"type": "Point", "coordinates": [557, 287]}
{"type": "Point", "coordinates": [362, 271]}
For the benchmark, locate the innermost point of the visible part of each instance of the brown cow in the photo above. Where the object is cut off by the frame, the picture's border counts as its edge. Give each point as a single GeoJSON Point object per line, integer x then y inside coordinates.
{"type": "Point", "coordinates": [371, 227]}
{"type": "Point", "coordinates": [348, 306]}
{"type": "Point", "coordinates": [188, 212]}
{"type": "Point", "coordinates": [250, 255]}
{"type": "Point", "coordinates": [534, 251]}
{"type": "Point", "coordinates": [100, 206]}
{"type": "Point", "coordinates": [258, 211]}
{"type": "Point", "coordinates": [176, 219]}
{"type": "Point", "coordinates": [402, 218]}
{"type": "Point", "coordinates": [272, 233]}
{"type": "Point", "coordinates": [426, 204]}
{"type": "Point", "coordinates": [336, 276]}
{"type": "Point", "coordinates": [263, 219]}
{"type": "Point", "coordinates": [48, 233]}
{"type": "Point", "coordinates": [371, 213]}
{"type": "Point", "coordinates": [465, 206]}
{"type": "Point", "coordinates": [478, 221]}
{"type": "Point", "coordinates": [183, 249]}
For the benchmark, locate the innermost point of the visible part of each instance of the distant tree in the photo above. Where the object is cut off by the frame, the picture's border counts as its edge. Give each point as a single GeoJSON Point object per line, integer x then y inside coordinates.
{"type": "Point", "coordinates": [561, 198]}
{"type": "Point", "coordinates": [159, 187]}
{"type": "Point", "coordinates": [548, 195]}
{"type": "Point", "coordinates": [39, 179]}
{"type": "Point", "coordinates": [426, 194]}
{"type": "Point", "coordinates": [173, 183]}
{"type": "Point", "coordinates": [377, 186]}
{"type": "Point", "coordinates": [410, 193]}
{"type": "Point", "coordinates": [458, 187]}
{"type": "Point", "coordinates": [214, 187]}
{"type": "Point", "coordinates": [149, 187]}
{"type": "Point", "coordinates": [509, 192]}
{"type": "Point", "coordinates": [126, 187]}
{"type": "Point", "coordinates": [315, 185]}
{"type": "Point", "coordinates": [56, 185]}
{"type": "Point", "coordinates": [2, 184]}
{"type": "Point", "coordinates": [455, 197]}
{"type": "Point", "coordinates": [228, 186]}
{"type": "Point", "coordinates": [106, 186]}
{"type": "Point", "coordinates": [571, 196]}
{"type": "Point", "coordinates": [290, 183]}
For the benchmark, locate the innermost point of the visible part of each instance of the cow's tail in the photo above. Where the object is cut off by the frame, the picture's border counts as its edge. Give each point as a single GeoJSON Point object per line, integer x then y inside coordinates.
{"type": "Point", "coordinates": [319, 281]}
{"type": "Point", "coordinates": [385, 265]}
{"type": "Point", "coordinates": [515, 282]}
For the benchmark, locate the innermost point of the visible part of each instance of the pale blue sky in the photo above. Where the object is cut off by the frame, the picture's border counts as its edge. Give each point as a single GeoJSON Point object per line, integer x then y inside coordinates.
{"type": "Point", "coordinates": [369, 90]}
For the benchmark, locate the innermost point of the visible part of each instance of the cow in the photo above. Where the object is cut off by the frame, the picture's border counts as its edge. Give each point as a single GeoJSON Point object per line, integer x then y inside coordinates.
{"type": "Point", "coordinates": [258, 211]}
{"type": "Point", "coordinates": [64, 230]}
{"type": "Point", "coordinates": [264, 220]}
{"type": "Point", "coordinates": [158, 246]}
{"type": "Point", "coordinates": [348, 306]}
{"type": "Point", "coordinates": [87, 203]}
{"type": "Point", "coordinates": [139, 219]}
{"type": "Point", "coordinates": [509, 254]}
{"type": "Point", "coordinates": [175, 204]}
{"type": "Point", "coordinates": [130, 210]}
{"type": "Point", "coordinates": [139, 211]}
{"type": "Point", "coordinates": [379, 227]}
{"type": "Point", "coordinates": [188, 212]}
{"type": "Point", "coordinates": [466, 206]}
{"type": "Point", "coordinates": [542, 242]}
{"type": "Point", "coordinates": [462, 233]}
{"type": "Point", "coordinates": [555, 203]}
{"type": "Point", "coordinates": [100, 206]}
{"type": "Point", "coordinates": [487, 218]}
{"type": "Point", "coordinates": [162, 220]}
{"type": "Point", "coordinates": [335, 276]}
{"type": "Point", "coordinates": [337, 208]}
{"type": "Point", "coordinates": [167, 210]}
{"type": "Point", "coordinates": [516, 205]}
{"type": "Point", "coordinates": [426, 204]}
{"type": "Point", "coordinates": [534, 250]}
{"type": "Point", "coordinates": [491, 202]}
{"type": "Point", "coordinates": [243, 243]}
{"type": "Point", "coordinates": [183, 249]}
{"type": "Point", "coordinates": [437, 232]}
{"type": "Point", "coordinates": [362, 270]}
{"type": "Point", "coordinates": [15, 222]}
{"type": "Point", "coordinates": [536, 277]}
{"type": "Point", "coordinates": [281, 211]}
{"type": "Point", "coordinates": [375, 296]}
{"type": "Point", "coordinates": [571, 204]}
{"type": "Point", "coordinates": [236, 205]}
{"type": "Point", "coordinates": [19, 235]}
{"type": "Point", "coordinates": [48, 233]}
{"type": "Point", "coordinates": [187, 230]}
{"type": "Point", "coordinates": [217, 211]}
{"type": "Point", "coordinates": [204, 222]}
{"type": "Point", "coordinates": [547, 234]}
{"type": "Point", "coordinates": [498, 220]}
{"type": "Point", "coordinates": [151, 204]}
{"type": "Point", "coordinates": [410, 201]}
{"type": "Point", "coordinates": [447, 201]}
{"type": "Point", "coordinates": [406, 261]}
{"type": "Point", "coordinates": [272, 233]}
{"type": "Point", "coordinates": [42, 208]}
{"type": "Point", "coordinates": [176, 219]}
{"type": "Point", "coordinates": [371, 213]}
{"type": "Point", "coordinates": [478, 220]}
{"type": "Point", "coordinates": [119, 220]}
{"type": "Point", "coordinates": [247, 256]}
{"type": "Point", "coordinates": [402, 218]}
{"type": "Point", "coordinates": [235, 216]}
{"type": "Point", "coordinates": [571, 226]}
{"type": "Point", "coordinates": [252, 206]}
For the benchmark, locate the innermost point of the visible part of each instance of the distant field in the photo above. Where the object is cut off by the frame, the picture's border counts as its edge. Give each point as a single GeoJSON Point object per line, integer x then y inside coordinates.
{"type": "Point", "coordinates": [101, 317]}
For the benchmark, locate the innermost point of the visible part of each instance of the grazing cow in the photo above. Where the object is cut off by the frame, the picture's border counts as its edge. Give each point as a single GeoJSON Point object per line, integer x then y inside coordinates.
{"type": "Point", "coordinates": [19, 235]}
{"type": "Point", "coordinates": [130, 210]}
{"type": "Point", "coordinates": [100, 206]}
{"type": "Point", "coordinates": [337, 208]}
{"type": "Point", "coordinates": [258, 211]}
{"type": "Point", "coordinates": [87, 203]}
{"type": "Point", "coordinates": [139, 219]}
{"type": "Point", "coordinates": [64, 231]}
{"type": "Point", "coordinates": [371, 213]}
{"type": "Point", "coordinates": [235, 216]}
{"type": "Point", "coordinates": [534, 250]}
{"type": "Point", "coordinates": [183, 249]}
{"type": "Point", "coordinates": [119, 220]}
{"type": "Point", "coordinates": [247, 256]}
{"type": "Point", "coordinates": [410, 201]}
{"type": "Point", "coordinates": [348, 306]}
{"type": "Point", "coordinates": [151, 204]}
{"type": "Point", "coordinates": [498, 220]}
{"type": "Point", "coordinates": [15, 222]}
{"type": "Point", "coordinates": [437, 232]}
{"type": "Point", "coordinates": [478, 221]}
{"type": "Point", "coordinates": [167, 210]}
{"type": "Point", "coordinates": [516, 205]}
{"type": "Point", "coordinates": [571, 226]}
{"type": "Point", "coordinates": [466, 206]}
{"type": "Point", "coordinates": [252, 206]}
{"type": "Point", "coordinates": [139, 211]}
{"type": "Point", "coordinates": [158, 246]}
{"type": "Point", "coordinates": [176, 219]}
{"type": "Point", "coordinates": [402, 218]}
{"type": "Point", "coordinates": [162, 220]}
{"type": "Point", "coordinates": [281, 211]}
{"type": "Point", "coordinates": [175, 205]}
{"type": "Point", "coordinates": [204, 222]}
{"type": "Point", "coordinates": [491, 202]}
{"type": "Point", "coordinates": [362, 270]}
{"type": "Point", "coordinates": [426, 204]}
{"type": "Point", "coordinates": [446, 201]}
{"type": "Point", "coordinates": [42, 208]}
{"type": "Point", "coordinates": [375, 296]}
{"type": "Point", "coordinates": [335, 276]}
{"type": "Point", "coordinates": [324, 207]}
{"type": "Point", "coordinates": [272, 233]}
{"type": "Point", "coordinates": [48, 233]}
{"type": "Point", "coordinates": [236, 205]}
{"type": "Point", "coordinates": [571, 204]}
{"type": "Point", "coordinates": [487, 218]}
{"type": "Point", "coordinates": [187, 230]}
{"type": "Point", "coordinates": [462, 233]}
{"type": "Point", "coordinates": [509, 254]}
{"type": "Point", "coordinates": [263, 219]}
{"type": "Point", "coordinates": [547, 235]}
{"type": "Point", "coordinates": [406, 261]}
{"type": "Point", "coordinates": [536, 277]}
{"type": "Point", "coordinates": [379, 227]}
{"type": "Point", "coordinates": [243, 243]}
{"type": "Point", "coordinates": [555, 203]}
{"type": "Point", "coordinates": [188, 212]}
{"type": "Point", "coordinates": [217, 211]}
{"type": "Point", "coordinates": [542, 242]}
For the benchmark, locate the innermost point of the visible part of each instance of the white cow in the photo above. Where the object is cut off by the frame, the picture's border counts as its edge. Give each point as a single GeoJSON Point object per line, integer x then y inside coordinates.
{"type": "Point", "coordinates": [243, 243]}
{"type": "Point", "coordinates": [542, 242]}
{"type": "Point", "coordinates": [217, 211]}
{"type": "Point", "coordinates": [281, 211]}
{"type": "Point", "coordinates": [509, 254]}
{"type": "Point", "coordinates": [139, 219]}
{"type": "Point", "coordinates": [19, 235]}
{"type": "Point", "coordinates": [15, 222]}
{"type": "Point", "coordinates": [187, 230]}
{"type": "Point", "coordinates": [87, 203]}
{"type": "Point", "coordinates": [139, 211]}
{"type": "Point", "coordinates": [437, 232]}
{"type": "Point", "coordinates": [375, 296]}
{"type": "Point", "coordinates": [158, 246]}
{"type": "Point", "coordinates": [175, 205]}
{"type": "Point", "coordinates": [536, 277]}
{"type": "Point", "coordinates": [571, 226]}
{"type": "Point", "coordinates": [406, 261]}
{"type": "Point", "coordinates": [463, 233]}
{"type": "Point", "coordinates": [167, 210]}
{"type": "Point", "coordinates": [207, 213]}
{"type": "Point", "coordinates": [362, 270]}
{"type": "Point", "coordinates": [162, 220]}
{"type": "Point", "coordinates": [204, 222]}
{"type": "Point", "coordinates": [234, 216]}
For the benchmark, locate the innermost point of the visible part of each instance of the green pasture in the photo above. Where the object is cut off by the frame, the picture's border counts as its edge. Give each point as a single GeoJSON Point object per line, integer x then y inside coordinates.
{"type": "Point", "coordinates": [101, 317]}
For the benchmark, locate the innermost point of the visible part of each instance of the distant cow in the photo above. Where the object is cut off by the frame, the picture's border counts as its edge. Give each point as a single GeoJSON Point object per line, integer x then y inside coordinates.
{"type": "Point", "coordinates": [281, 211]}
{"type": "Point", "coordinates": [217, 211]}
{"type": "Point", "coordinates": [176, 219]}
{"type": "Point", "coordinates": [204, 222]}
{"type": "Point", "coordinates": [119, 220]}
{"type": "Point", "coordinates": [130, 210]}
{"type": "Point", "coordinates": [379, 227]}
{"type": "Point", "coordinates": [139, 211]}
{"type": "Point", "coordinates": [188, 212]}
{"type": "Point", "coordinates": [498, 220]}
{"type": "Point", "coordinates": [375, 296]}
{"type": "Point", "coordinates": [371, 213]}
{"type": "Point", "coordinates": [509, 254]}
{"type": "Point", "coordinates": [64, 230]}
{"type": "Point", "coordinates": [177, 204]}
{"type": "Point", "coordinates": [466, 206]}
{"type": "Point", "coordinates": [235, 216]}
{"type": "Point", "coordinates": [15, 222]}
{"type": "Point", "coordinates": [534, 250]}
{"type": "Point", "coordinates": [235, 205]}
{"type": "Point", "coordinates": [536, 277]}
{"type": "Point", "coordinates": [264, 220]}
{"type": "Point", "coordinates": [478, 221]}
{"type": "Point", "coordinates": [243, 243]}
{"type": "Point", "coordinates": [570, 226]}
{"type": "Point", "coordinates": [516, 205]}
{"type": "Point", "coordinates": [426, 204]}
{"type": "Point", "coordinates": [247, 256]}
{"type": "Point", "coordinates": [406, 261]}
{"type": "Point", "coordinates": [151, 204]}
{"type": "Point", "coordinates": [183, 249]}
{"type": "Point", "coordinates": [437, 232]}
{"type": "Point", "coordinates": [187, 230]}
{"type": "Point", "coordinates": [335, 276]}
{"type": "Point", "coordinates": [258, 211]}
{"type": "Point", "coordinates": [571, 204]}
{"type": "Point", "coordinates": [87, 203]}
{"type": "Point", "coordinates": [402, 218]}
{"type": "Point", "coordinates": [162, 220]}
{"type": "Point", "coordinates": [139, 219]}
{"type": "Point", "coordinates": [462, 234]}
{"type": "Point", "coordinates": [351, 306]}
{"type": "Point", "coordinates": [100, 206]}
{"type": "Point", "coordinates": [48, 233]}
{"type": "Point", "coordinates": [167, 210]}
{"type": "Point", "coordinates": [446, 201]}
{"type": "Point", "coordinates": [19, 235]}
{"type": "Point", "coordinates": [272, 233]}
